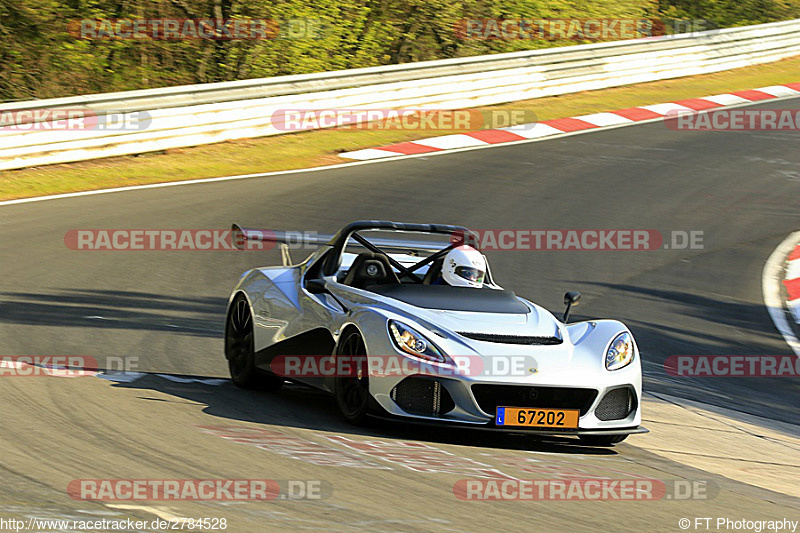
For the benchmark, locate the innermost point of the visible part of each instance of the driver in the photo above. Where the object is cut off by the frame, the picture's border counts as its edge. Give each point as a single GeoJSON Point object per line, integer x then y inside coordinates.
{"type": "Point", "coordinates": [463, 267]}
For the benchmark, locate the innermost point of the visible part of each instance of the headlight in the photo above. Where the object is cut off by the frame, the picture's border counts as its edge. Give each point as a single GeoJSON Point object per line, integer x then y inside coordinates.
{"type": "Point", "coordinates": [413, 343]}
{"type": "Point", "coordinates": [620, 353]}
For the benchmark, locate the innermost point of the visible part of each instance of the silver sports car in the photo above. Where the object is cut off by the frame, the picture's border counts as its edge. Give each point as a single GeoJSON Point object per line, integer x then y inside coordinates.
{"type": "Point", "coordinates": [367, 318]}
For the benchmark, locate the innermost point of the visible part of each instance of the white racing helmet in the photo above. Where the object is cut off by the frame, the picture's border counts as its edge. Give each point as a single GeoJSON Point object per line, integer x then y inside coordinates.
{"type": "Point", "coordinates": [464, 267]}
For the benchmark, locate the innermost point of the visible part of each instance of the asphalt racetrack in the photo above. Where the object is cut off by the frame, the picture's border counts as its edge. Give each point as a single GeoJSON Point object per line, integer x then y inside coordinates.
{"type": "Point", "coordinates": [737, 437]}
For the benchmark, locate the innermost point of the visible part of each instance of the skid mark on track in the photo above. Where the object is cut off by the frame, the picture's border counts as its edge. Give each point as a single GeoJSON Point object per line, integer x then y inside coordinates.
{"type": "Point", "coordinates": [291, 446]}
{"type": "Point", "coordinates": [419, 457]}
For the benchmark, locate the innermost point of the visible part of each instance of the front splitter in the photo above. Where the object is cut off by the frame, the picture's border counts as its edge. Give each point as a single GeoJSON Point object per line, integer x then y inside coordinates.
{"type": "Point", "coordinates": [534, 432]}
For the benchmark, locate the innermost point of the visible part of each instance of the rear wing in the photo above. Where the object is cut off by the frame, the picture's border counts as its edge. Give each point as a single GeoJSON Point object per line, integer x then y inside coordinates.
{"type": "Point", "coordinates": [241, 236]}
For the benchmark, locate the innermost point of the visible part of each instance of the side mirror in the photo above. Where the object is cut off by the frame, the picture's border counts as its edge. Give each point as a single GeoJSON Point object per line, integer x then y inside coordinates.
{"type": "Point", "coordinates": [571, 298]}
{"type": "Point", "coordinates": [315, 286]}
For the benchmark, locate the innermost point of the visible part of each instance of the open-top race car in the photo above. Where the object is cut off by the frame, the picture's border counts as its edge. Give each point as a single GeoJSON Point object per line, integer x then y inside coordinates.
{"type": "Point", "coordinates": [368, 317]}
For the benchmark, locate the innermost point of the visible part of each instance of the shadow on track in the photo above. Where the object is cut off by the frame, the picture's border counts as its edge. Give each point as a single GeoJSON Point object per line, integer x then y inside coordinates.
{"type": "Point", "coordinates": [742, 316]}
{"type": "Point", "coordinates": [115, 310]}
{"type": "Point", "coordinates": [299, 406]}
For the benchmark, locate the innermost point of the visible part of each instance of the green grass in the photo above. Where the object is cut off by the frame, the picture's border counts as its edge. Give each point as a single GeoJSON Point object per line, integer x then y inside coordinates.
{"type": "Point", "coordinates": [319, 148]}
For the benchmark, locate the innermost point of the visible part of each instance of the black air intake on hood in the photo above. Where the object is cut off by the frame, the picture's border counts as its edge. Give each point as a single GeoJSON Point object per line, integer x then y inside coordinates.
{"type": "Point", "coordinates": [512, 339]}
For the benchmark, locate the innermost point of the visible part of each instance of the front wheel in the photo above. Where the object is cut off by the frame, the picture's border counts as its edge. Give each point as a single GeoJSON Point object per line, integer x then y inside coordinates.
{"type": "Point", "coordinates": [602, 440]}
{"type": "Point", "coordinates": [239, 350]}
{"type": "Point", "coordinates": [352, 387]}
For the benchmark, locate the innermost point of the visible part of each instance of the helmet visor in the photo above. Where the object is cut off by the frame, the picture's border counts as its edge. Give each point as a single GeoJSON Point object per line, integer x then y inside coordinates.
{"type": "Point", "coordinates": [474, 275]}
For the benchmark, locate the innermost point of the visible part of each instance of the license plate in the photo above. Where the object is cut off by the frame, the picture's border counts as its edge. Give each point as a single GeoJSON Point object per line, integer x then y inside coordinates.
{"type": "Point", "coordinates": [539, 418]}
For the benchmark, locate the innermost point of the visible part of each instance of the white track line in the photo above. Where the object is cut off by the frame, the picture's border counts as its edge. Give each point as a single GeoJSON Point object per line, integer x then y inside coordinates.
{"type": "Point", "coordinates": [771, 287]}
{"type": "Point", "coordinates": [726, 99]}
{"type": "Point", "coordinates": [448, 142]}
{"type": "Point", "coordinates": [665, 109]}
{"type": "Point", "coordinates": [604, 119]}
{"type": "Point", "coordinates": [793, 269]}
{"type": "Point", "coordinates": [779, 90]}
{"type": "Point", "coordinates": [369, 161]}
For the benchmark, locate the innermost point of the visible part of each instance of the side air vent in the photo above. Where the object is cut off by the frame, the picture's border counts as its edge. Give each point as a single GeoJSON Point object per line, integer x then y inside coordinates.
{"type": "Point", "coordinates": [511, 339]}
{"type": "Point", "coordinates": [617, 404]}
{"type": "Point", "coordinates": [422, 396]}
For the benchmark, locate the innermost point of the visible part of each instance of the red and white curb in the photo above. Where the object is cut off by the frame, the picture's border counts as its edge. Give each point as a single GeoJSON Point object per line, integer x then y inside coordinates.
{"type": "Point", "coordinates": [781, 288]}
{"type": "Point", "coordinates": [792, 283]}
{"type": "Point", "coordinates": [561, 126]}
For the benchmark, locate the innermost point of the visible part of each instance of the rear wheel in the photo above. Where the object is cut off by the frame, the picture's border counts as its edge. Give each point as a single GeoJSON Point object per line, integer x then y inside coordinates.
{"type": "Point", "coordinates": [239, 350]}
{"type": "Point", "coordinates": [352, 387]}
{"type": "Point", "coordinates": [602, 440]}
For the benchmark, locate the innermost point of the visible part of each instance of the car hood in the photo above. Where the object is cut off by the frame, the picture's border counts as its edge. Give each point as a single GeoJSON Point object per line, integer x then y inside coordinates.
{"type": "Point", "coordinates": [533, 321]}
{"type": "Point", "coordinates": [536, 323]}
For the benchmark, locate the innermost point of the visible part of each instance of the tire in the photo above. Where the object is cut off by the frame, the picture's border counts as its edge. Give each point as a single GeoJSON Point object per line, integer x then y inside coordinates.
{"type": "Point", "coordinates": [352, 390]}
{"type": "Point", "coordinates": [602, 440]}
{"type": "Point", "coordinates": [239, 350]}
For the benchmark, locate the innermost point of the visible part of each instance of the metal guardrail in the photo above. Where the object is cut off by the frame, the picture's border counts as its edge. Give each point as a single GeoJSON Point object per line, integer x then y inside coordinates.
{"type": "Point", "coordinates": [201, 114]}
